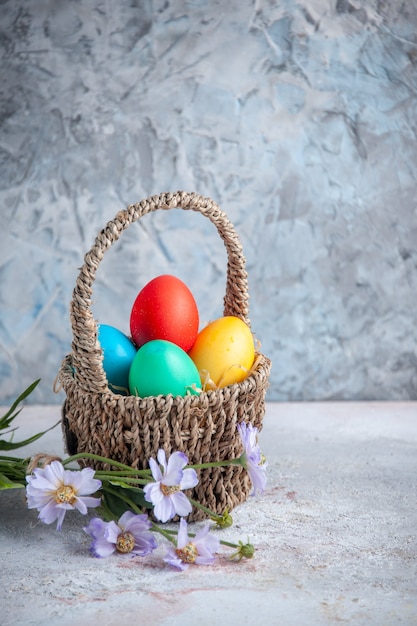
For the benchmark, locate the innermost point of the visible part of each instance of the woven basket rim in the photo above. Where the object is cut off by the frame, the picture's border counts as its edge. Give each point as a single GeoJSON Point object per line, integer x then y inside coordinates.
{"type": "Point", "coordinates": [250, 383]}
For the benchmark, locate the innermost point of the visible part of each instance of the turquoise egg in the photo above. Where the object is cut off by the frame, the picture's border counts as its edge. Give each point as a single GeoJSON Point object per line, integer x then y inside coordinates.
{"type": "Point", "coordinates": [118, 354]}
{"type": "Point", "coordinates": [160, 367]}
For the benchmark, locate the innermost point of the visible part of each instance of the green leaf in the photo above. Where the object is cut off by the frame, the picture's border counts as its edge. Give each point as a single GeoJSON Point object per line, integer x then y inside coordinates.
{"type": "Point", "coordinates": [5, 483]}
{"type": "Point", "coordinates": [9, 445]}
{"type": "Point", "coordinates": [8, 417]}
{"type": "Point", "coordinates": [138, 497]}
{"type": "Point", "coordinates": [118, 505]}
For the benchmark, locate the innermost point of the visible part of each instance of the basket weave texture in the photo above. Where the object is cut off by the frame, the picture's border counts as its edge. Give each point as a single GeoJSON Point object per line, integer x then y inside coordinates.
{"type": "Point", "coordinates": [130, 429]}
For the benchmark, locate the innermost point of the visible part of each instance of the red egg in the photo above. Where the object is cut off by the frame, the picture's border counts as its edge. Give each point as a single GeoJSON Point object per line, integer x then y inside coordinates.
{"type": "Point", "coordinates": [165, 309]}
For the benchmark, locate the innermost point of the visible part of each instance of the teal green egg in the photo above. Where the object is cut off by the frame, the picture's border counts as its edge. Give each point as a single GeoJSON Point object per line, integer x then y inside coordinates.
{"type": "Point", "coordinates": [161, 367]}
{"type": "Point", "coordinates": [118, 355]}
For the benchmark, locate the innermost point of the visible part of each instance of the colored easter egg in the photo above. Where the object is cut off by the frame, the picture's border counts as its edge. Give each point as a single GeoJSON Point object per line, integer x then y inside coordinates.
{"type": "Point", "coordinates": [118, 354]}
{"type": "Point", "coordinates": [223, 352]}
{"type": "Point", "coordinates": [165, 309]}
{"type": "Point", "coordinates": [162, 367]}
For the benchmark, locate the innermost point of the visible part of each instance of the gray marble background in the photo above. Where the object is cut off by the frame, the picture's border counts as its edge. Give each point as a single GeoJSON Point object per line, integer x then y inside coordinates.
{"type": "Point", "coordinates": [298, 117]}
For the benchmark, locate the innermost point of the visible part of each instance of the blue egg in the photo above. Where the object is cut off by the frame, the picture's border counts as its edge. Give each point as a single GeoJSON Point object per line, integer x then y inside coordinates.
{"type": "Point", "coordinates": [118, 354]}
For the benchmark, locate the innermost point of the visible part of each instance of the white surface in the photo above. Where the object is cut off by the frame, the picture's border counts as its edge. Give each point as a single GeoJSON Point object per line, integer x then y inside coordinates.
{"type": "Point", "coordinates": [335, 536]}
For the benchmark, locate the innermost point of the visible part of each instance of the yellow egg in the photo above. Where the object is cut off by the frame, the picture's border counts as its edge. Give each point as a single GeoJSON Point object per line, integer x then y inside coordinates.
{"type": "Point", "coordinates": [223, 352]}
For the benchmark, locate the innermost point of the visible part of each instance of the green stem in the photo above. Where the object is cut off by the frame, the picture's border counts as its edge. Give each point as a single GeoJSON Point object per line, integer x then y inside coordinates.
{"type": "Point", "coordinates": [168, 534]}
{"type": "Point", "coordinates": [222, 541]}
{"type": "Point", "coordinates": [14, 459]}
{"type": "Point", "coordinates": [224, 463]}
{"type": "Point", "coordinates": [102, 475]}
{"type": "Point", "coordinates": [144, 472]}
{"type": "Point", "coordinates": [200, 506]}
{"type": "Point", "coordinates": [123, 473]}
{"type": "Point", "coordinates": [102, 459]}
{"type": "Point", "coordinates": [229, 544]}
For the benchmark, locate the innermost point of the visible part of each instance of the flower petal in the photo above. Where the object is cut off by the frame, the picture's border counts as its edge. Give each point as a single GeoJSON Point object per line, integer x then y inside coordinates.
{"type": "Point", "coordinates": [83, 482]}
{"type": "Point", "coordinates": [40, 482]}
{"type": "Point", "coordinates": [173, 477]}
{"type": "Point", "coordinates": [205, 560]}
{"type": "Point", "coordinates": [54, 472]}
{"type": "Point", "coordinates": [210, 545]}
{"type": "Point", "coordinates": [80, 505]}
{"type": "Point", "coordinates": [164, 510]}
{"type": "Point", "coordinates": [96, 527]}
{"type": "Point", "coordinates": [181, 504]}
{"type": "Point", "coordinates": [37, 500]}
{"type": "Point", "coordinates": [49, 513]}
{"type": "Point", "coordinates": [155, 469]}
{"type": "Point", "coordinates": [113, 530]}
{"type": "Point", "coordinates": [177, 461]}
{"type": "Point", "coordinates": [90, 502]}
{"type": "Point", "coordinates": [162, 459]}
{"type": "Point", "coordinates": [252, 457]}
{"type": "Point", "coordinates": [145, 543]}
{"type": "Point", "coordinates": [135, 524]}
{"type": "Point", "coordinates": [182, 537]}
{"type": "Point", "coordinates": [102, 548]}
{"type": "Point", "coordinates": [60, 518]}
{"type": "Point", "coordinates": [125, 519]}
{"type": "Point", "coordinates": [258, 478]}
{"type": "Point", "coordinates": [153, 493]}
{"type": "Point", "coordinates": [189, 479]}
{"type": "Point", "coordinates": [172, 558]}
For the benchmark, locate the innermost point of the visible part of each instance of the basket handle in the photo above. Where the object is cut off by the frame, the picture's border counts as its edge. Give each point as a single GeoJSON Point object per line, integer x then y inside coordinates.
{"type": "Point", "coordinates": [86, 350]}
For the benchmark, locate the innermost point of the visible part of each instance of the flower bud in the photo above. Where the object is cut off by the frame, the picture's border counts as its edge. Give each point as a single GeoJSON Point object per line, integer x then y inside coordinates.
{"type": "Point", "coordinates": [244, 550]}
{"type": "Point", "coordinates": [247, 550]}
{"type": "Point", "coordinates": [223, 521]}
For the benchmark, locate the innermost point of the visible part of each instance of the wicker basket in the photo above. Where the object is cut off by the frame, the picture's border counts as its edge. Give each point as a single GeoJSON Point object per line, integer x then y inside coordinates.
{"type": "Point", "coordinates": [131, 429]}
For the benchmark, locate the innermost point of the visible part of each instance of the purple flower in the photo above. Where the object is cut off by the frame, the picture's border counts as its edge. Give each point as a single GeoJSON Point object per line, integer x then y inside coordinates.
{"type": "Point", "coordinates": [165, 494]}
{"type": "Point", "coordinates": [199, 549]}
{"type": "Point", "coordinates": [252, 459]}
{"type": "Point", "coordinates": [131, 535]}
{"type": "Point", "coordinates": [54, 490]}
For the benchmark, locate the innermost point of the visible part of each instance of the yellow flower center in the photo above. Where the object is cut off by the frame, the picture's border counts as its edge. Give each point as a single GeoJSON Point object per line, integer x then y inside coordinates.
{"type": "Point", "coordinates": [65, 494]}
{"type": "Point", "coordinates": [188, 553]}
{"type": "Point", "coordinates": [125, 543]}
{"type": "Point", "coordinates": [167, 490]}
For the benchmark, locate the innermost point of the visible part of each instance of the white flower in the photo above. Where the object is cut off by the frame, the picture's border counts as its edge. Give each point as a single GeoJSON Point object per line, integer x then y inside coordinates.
{"type": "Point", "coordinates": [199, 549]}
{"type": "Point", "coordinates": [131, 535]}
{"type": "Point", "coordinates": [252, 459]}
{"type": "Point", "coordinates": [166, 493]}
{"type": "Point", "coordinates": [53, 490]}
